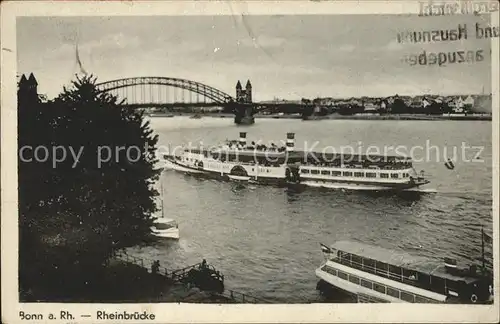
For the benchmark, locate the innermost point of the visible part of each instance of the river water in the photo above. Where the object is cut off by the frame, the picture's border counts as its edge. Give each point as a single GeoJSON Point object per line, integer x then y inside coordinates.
{"type": "Point", "coordinates": [265, 240]}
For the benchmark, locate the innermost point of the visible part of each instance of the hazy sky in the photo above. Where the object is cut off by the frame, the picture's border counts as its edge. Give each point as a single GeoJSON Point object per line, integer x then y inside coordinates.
{"type": "Point", "coordinates": [291, 56]}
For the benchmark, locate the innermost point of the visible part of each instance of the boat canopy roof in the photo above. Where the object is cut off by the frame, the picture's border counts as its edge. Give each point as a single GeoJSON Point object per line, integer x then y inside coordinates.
{"type": "Point", "coordinates": [330, 157]}
{"type": "Point", "coordinates": [303, 155]}
{"type": "Point", "coordinates": [400, 259]}
{"type": "Point", "coordinates": [396, 258]}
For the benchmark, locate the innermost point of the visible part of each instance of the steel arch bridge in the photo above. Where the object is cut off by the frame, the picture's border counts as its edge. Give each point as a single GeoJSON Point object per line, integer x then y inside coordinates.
{"type": "Point", "coordinates": [154, 92]}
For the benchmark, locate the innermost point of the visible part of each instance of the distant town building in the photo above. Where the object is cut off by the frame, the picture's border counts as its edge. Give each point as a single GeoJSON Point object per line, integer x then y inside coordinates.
{"type": "Point", "coordinates": [354, 102]}
{"type": "Point", "coordinates": [451, 102]}
{"type": "Point", "coordinates": [370, 107]}
{"type": "Point", "coordinates": [416, 103]}
{"type": "Point", "coordinates": [459, 103]}
{"type": "Point", "coordinates": [468, 103]}
{"type": "Point", "coordinates": [425, 103]}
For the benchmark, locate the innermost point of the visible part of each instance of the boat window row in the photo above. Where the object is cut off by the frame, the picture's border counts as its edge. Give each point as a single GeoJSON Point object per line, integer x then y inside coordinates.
{"type": "Point", "coordinates": [353, 174]}
{"type": "Point", "coordinates": [407, 276]}
{"type": "Point", "coordinates": [218, 166]}
{"type": "Point", "coordinates": [189, 159]}
{"type": "Point", "coordinates": [378, 287]}
{"type": "Point", "coordinates": [249, 159]}
{"type": "Point", "coordinates": [261, 170]}
{"type": "Point", "coordinates": [347, 166]}
{"type": "Point", "coordinates": [349, 162]}
{"type": "Point", "coordinates": [195, 151]}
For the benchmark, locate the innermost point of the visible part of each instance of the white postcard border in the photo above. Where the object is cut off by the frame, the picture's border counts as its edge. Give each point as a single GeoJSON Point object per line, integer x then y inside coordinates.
{"type": "Point", "coordinates": [202, 312]}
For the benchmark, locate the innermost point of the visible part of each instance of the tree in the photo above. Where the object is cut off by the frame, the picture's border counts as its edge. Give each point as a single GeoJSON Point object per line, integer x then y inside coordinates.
{"type": "Point", "coordinates": [399, 107]}
{"type": "Point", "coordinates": [76, 214]}
{"type": "Point", "coordinates": [435, 108]}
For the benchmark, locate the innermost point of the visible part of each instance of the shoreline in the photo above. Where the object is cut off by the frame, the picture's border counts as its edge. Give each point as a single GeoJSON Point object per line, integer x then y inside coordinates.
{"type": "Point", "coordinates": [106, 287]}
{"type": "Point", "coordinates": [416, 117]}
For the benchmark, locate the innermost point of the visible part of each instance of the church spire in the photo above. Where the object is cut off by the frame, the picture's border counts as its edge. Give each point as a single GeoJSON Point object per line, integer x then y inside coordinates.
{"type": "Point", "coordinates": [32, 80]}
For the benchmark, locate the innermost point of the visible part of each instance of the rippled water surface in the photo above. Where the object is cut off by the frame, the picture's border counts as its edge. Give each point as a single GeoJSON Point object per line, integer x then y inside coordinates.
{"type": "Point", "coordinates": [266, 240]}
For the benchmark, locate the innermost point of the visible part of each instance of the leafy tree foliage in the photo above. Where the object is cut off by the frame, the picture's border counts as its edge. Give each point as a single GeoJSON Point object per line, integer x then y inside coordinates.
{"type": "Point", "coordinates": [76, 214]}
{"type": "Point", "coordinates": [351, 109]}
{"type": "Point", "coordinates": [399, 107]}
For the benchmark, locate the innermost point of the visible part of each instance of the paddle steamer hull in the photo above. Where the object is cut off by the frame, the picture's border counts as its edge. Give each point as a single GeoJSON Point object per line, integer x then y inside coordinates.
{"type": "Point", "coordinates": [352, 289]}
{"type": "Point", "coordinates": [224, 176]}
{"type": "Point", "coordinates": [284, 166]}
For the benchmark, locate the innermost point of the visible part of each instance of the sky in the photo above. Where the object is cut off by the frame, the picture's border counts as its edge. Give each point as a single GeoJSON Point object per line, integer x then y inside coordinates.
{"type": "Point", "coordinates": [284, 56]}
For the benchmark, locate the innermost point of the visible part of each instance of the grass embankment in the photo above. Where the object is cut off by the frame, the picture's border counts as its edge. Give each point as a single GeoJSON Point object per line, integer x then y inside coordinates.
{"type": "Point", "coordinates": [119, 282]}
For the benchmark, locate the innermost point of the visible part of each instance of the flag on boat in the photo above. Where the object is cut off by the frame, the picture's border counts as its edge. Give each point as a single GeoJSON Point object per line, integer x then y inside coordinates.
{"type": "Point", "coordinates": [450, 263]}
{"type": "Point", "coordinates": [325, 249]}
{"type": "Point", "coordinates": [486, 238]}
{"type": "Point", "coordinates": [449, 164]}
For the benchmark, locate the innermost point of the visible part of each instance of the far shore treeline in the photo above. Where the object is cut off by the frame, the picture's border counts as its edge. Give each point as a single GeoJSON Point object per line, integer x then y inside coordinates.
{"type": "Point", "coordinates": [385, 107]}
{"type": "Point", "coordinates": [73, 219]}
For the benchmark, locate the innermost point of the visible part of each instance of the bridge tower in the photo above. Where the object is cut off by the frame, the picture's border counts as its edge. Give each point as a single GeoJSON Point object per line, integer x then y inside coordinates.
{"type": "Point", "coordinates": [243, 108]}
{"type": "Point", "coordinates": [238, 91]}
{"type": "Point", "coordinates": [244, 95]}
{"type": "Point", "coordinates": [248, 92]}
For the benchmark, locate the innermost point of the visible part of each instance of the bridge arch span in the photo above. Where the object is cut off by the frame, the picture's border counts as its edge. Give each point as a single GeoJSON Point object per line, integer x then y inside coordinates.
{"type": "Point", "coordinates": [218, 96]}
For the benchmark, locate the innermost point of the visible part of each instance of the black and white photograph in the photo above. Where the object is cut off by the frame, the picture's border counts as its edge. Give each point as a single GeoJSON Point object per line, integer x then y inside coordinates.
{"type": "Point", "coordinates": [196, 157]}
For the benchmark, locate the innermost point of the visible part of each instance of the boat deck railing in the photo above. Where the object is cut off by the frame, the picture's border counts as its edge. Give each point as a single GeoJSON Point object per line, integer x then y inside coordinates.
{"type": "Point", "coordinates": [243, 298]}
{"type": "Point", "coordinates": [364, 298]}
{"type": "Point", "coordinates": [379, 287]}
{"type": "Point", "coordinates": [148, 264]}
{"type": "Point", "coordinates": [406, 276]}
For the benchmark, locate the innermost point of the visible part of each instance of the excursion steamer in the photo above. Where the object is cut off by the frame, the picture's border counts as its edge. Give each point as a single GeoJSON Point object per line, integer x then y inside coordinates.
{"type": "Point", "coordinates": [374, 274]}
{"type": "Point", "coordinates": [235, 160]}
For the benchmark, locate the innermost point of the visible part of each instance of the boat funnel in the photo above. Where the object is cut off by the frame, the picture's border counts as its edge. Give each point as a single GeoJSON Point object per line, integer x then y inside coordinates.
{"type": "Point", "coordinates": [243, 139]}
{"type": "Point", "coordinates": [290, 142]}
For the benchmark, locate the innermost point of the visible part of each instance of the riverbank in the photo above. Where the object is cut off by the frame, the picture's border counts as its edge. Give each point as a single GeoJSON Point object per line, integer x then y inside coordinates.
{"type": "Point", "coordinates": [118, 282]}
{"type": "Point", "coordinates": [483, 117]}
{"type": "Point", "coordinates": [405, 117]}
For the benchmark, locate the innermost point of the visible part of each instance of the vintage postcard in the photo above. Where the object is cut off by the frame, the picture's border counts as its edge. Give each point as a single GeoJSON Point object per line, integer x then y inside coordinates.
{"type": "Point", "coordinates": [216, 162]}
